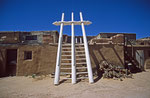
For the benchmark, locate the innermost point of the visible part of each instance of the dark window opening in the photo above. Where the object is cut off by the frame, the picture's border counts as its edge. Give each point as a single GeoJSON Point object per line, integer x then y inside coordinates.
{"type": "Point", "coordinates": [142, 43]}
{"type": "Point", "coordinates": [27, 55]}
{"type": "Point", "coordinates": [149, 53]}
{"type": "Point", "coordinates": [31, 37]}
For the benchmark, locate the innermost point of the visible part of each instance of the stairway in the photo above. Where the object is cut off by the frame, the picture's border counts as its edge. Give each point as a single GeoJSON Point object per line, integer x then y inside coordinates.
{"type": "Point", "coordinates": [81, 68]}
{"type": "Point", "coordinates": [130, 59]}
{"type": "Point", "coordinates": [81, 65]}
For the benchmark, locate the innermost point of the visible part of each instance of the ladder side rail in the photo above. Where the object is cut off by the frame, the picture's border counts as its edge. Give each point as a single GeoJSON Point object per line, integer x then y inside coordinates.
{"type": "Point", "coordinates": [73, 52]}
{"type": "Point", "coordinates": [58, 60]}
{"type": "Point", "coordinates": [90, 73]}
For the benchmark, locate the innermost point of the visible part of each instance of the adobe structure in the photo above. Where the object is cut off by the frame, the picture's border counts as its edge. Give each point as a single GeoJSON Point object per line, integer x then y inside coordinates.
{"type": "Point", "coordinates": [27, 53]}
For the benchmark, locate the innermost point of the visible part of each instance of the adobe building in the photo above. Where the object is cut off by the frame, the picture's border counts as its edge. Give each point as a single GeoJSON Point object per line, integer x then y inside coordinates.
{"type": "Point", "coordinates": [27, 53]}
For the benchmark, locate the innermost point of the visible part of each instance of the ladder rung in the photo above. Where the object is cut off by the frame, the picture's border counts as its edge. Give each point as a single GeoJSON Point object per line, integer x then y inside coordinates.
{"type": "Point", "coordinates": [65, 63]}
{"type": "Point", "coordinates": [66, 78]}
{"type": "Point", "coordinates": [65, 68]}
{"type": "Point", "coordinates": [82, 78]}
{"type": "Point", "coordinates": [64, 73]}
{"type": "Point", "coordinates": [81, 63]}
{"type": "Point", "coordinates": [66, 59]}
{"type": "Point", "coordinates": [66, 44]}
{"type": "Point", "coordinates": [79, 44]}
{"type": "Point", "coordinates": [79, 47]}
{"type": "Point", "coordinates": [66, 51]}
{"type": "Point", "coordinates": [66, 48]}
{"type": "Point", "coordinates": [82, 73]}
{"type": "Point", "coordinates": [66, 55]}
{"type": "Point", "coordinates": [81, 59]}
{"type": "Point", "coordinates": [80, 51]}
{"type": "Point", "coordinates": [80, 55]}
{"type": "Point", "coordinates": [81, 67]}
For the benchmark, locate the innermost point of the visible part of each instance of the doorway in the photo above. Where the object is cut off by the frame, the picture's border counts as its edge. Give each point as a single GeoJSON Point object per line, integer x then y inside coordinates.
{"type": "Point", "coordinates": [140, 58]}
{"type": "Point", "coordinates": [11, 62]}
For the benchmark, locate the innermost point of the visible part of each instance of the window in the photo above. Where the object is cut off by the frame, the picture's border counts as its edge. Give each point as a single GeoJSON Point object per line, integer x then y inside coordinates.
{"type": "Point", "coordinates": [149, 53]}
{"type": "Point", "coordinates": [142, 43]}
{"type": "Point", "coordinates": [31, 37]}
{"type": "Point", "coordinates": [27, 55]}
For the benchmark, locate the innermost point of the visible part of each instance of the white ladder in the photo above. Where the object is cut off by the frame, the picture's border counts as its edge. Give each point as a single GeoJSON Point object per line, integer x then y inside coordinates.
{"type": "Point", "coordinates": [72, 53]}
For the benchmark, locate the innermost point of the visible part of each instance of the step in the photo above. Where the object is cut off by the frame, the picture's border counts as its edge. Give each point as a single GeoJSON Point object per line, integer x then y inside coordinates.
{"type": "Point", "coordinates": [76, 68]}
{"type": "Point", "coordinates": [66, 78]}
{"type": "Point", "coordinates": [64, 73]}
{"type": "Point", "coordinates": [66, 55]}
{"type": "Point", "coordinates": [66, 59]}
{"type": "Point", "coordinates": [80, 55]}
{"type": "Point", "coordinates": [80, 63]}
{"type": "Point", "coordinates": [81, 59]}
{"type": "Point", "coordinates": [65, 68]}
{"type": "Point", "coordinates": [66, 48]}
{"type": "Point", "coordinates": [66, 51]}
{"type": "Point", "coordinates": [65, 63]}
{"type": "Point", "coordinates": [79, 44]}
{"type": "Point", "coordinates": [81, 67]}
{"type": "Point", "coordinates": [82, 78]}
{"type": "Point", "coordinates": [79, 48]}
{"type": "Point", "coordinates": [66, 44]}
{"type": "Point", "coordinates": [80, 51]}
{"type": "Point", "coordinates": [78, 73]}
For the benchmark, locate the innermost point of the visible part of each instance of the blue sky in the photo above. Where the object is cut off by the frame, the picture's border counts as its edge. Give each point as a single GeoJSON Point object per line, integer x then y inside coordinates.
{"type": "Point", "coordinates": [131, 16]}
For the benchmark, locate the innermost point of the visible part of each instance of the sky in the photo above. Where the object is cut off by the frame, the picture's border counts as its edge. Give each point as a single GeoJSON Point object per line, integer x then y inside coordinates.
{"type": "Point", "coordinates": [125, 16]}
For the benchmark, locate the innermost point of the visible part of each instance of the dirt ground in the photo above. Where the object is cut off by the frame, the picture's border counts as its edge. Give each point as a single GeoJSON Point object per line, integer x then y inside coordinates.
{"type": "Point", "coordinates": [27, 87]}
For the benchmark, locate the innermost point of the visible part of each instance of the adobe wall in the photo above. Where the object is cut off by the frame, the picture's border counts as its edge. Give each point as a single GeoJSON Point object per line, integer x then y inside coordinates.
{"type": "Point", "coordinates": [112, 53]}
{"type": "Point", "coordinates": [9, 37]}
{"type": "Point", "coordinates": [43, 59]}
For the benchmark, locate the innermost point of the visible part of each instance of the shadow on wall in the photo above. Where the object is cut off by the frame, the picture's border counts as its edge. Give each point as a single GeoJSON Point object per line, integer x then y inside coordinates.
{"type": "Point", "coordinates": [2, 63]}
{"type": "Point", "coordinates": [113, 54]}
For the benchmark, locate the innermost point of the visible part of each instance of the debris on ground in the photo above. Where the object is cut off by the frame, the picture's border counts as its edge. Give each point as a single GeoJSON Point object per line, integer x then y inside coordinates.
{"type": "Point", "coordinates": [113, 71]}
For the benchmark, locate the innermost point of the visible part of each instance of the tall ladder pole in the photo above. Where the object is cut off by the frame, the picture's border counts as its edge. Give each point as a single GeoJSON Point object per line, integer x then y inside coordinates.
{"type": "Point", "coordinates": [73, 52]}
{"type": "Point", "coordinates": [58, 61]}
{"type": "Point", "coordinates": [90, 74]}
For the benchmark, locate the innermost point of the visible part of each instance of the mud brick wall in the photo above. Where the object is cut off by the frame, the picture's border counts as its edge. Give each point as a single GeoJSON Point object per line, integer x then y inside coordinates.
{"type": "Point", "coordinates": [114, 54]}
{"type": "Point", "coordinates": [43, 59]}
{"type": "Point", "coordinates": [48, 39]}
{"type": "Point", "coordinates": [9, 37]}
{"type": "Point", "coordinates": [101, 40]}
{"type": "Point", "coordinates": [119, 38]}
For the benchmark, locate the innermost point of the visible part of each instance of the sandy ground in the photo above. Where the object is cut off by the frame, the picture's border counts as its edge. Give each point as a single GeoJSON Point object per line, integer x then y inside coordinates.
{"type": "Point", "coordinates": [25, 87]}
